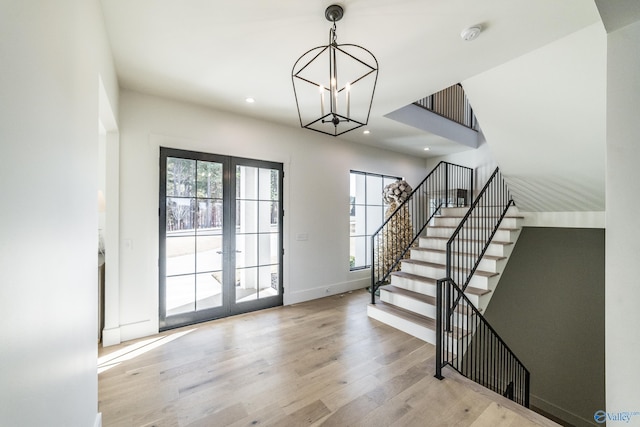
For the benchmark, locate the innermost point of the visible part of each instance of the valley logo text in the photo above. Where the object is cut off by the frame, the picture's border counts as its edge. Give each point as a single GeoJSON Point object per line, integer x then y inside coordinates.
{"type": "Point", "coordinates": [602, 417]}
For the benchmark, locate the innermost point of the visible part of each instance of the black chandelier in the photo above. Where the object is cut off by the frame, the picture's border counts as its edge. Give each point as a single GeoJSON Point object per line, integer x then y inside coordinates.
{"type": "Point", "coordinates": [334, 103]}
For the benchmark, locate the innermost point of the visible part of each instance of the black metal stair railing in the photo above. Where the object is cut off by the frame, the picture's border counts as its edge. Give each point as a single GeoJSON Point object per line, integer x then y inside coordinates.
{"type": "Point", "coordinates": [473, 348]}
{"type": "Point", "coordinates": [464, 339]}
{"type": "Point", "coordinates": [474, 233]}
{"type": "Point", "coordinates": [446, 184]}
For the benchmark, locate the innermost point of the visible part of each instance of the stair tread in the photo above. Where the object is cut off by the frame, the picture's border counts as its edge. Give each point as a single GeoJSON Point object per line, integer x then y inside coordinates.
{"type": "Point", "coordinates": [436, 265]}
{"type": "Point", "coordinates": [442, 251]}
{"type": "Point", "coordinates": [428, 280]}
{"type": "Point", "coordinates": [476, 291]}
{"type": "Point", "coordinates": [428, 299]}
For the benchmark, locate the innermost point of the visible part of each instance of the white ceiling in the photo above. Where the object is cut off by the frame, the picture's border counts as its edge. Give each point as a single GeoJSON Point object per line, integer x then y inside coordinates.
{"type": "Point", "coordinates": [217, 53]}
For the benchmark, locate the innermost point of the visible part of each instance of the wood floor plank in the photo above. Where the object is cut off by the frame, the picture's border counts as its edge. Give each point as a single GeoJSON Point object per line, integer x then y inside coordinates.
{"type": "Point", "coordinates": [319, 363]}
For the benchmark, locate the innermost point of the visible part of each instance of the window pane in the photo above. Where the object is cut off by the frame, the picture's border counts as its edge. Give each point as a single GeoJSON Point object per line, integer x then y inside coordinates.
{"type": "Point", "coordinates": [180, 214]}
{"type": "Point", "coordinates": [374, 190]}
{"type": "Point", "coordinates": [357, 251]}
{"type": "Point", "coordinates": [268, 184]}
{"type": "Point", "coordinates": [209, 215]}
{"type": "Point", "coordinates": [246, 250]}
{"type": "Point", "coordinates": [388, 180]}
{"type": "Point", "coordinates": [209, 252]}
{"type": "Point", "coordinates": [180, 294]}
{"type": "Point", "coordinates": [357, 190]}
{"type": "Point", "coordinates": [180, 255]}
{"type": "Point", "coordinates": [375, 215]}
{"type": "Point", "coordinates": [246, 182]}
{"type": "Point", "coordinates": [268, 216]}
{"type": "Point", "coordinates": [246, 284]}
{"type": "Point", "coordinates": [181, 177]}
{"type": "Point", "coordinates": [268, 249]}
{"type": "Point", "coordinates": [247, 216]}
{"type": "Point", "coordinates": [358, 221]}
{"type": "Point", "coordinates": [209, 180]}
{"type": "Point", "coordinates": [269, 284]}
{"type": "Point", "coordinates": [208, 291]}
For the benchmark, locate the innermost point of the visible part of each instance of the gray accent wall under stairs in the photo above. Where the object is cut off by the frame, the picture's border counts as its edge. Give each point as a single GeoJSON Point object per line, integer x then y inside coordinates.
{"type": "Point", "coordinates": [549, 308]}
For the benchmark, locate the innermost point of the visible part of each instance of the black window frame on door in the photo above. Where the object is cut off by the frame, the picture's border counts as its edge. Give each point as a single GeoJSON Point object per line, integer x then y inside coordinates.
{"type": "Point", "coordinates": [229, 305]}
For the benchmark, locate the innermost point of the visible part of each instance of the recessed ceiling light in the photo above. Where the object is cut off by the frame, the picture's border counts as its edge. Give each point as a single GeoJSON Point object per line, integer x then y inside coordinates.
{"type": "Point", "coordinates": [366, 132]}
{"type": "Point", "coordinates": [427, 148]}
{"type": "Point", "coordinates": [250, 100]}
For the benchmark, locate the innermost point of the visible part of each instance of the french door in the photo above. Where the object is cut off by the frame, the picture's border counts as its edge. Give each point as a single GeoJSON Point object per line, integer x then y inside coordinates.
{"type": "Point", "coordinates": [220, 236]}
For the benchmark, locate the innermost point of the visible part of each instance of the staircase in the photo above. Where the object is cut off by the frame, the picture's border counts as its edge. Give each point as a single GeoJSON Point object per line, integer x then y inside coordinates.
{"type": "Point", "coordinates": [408, 303]}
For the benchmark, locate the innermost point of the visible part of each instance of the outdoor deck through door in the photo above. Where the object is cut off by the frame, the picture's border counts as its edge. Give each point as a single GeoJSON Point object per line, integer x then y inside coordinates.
{"type": "Point", "coordinates": [220, 236]}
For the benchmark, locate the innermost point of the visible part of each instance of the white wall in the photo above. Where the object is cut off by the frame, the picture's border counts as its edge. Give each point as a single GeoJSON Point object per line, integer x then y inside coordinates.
{"type": "Point", "coordinates": [316, 196]}
{"type": "Point", "coordinates": [52, 54]}
{"type": "Point", "coordinates": [623, 234]}
{"type": "Point", "coordinates": [543, 114]}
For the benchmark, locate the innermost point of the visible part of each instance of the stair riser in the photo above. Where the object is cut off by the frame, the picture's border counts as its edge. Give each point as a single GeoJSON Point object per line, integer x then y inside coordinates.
{"type": "Point", "coordinates": [454, 211]}
{"type": "Point", "coordinates": [462, 211]}
{"type": "Point", "coordinates": [480, 301]}
{"type": "Point", "coordinates": [437, 273]}
{"type": "Point", "coordinates": [413, 285]}
{"type": "Point", "coordinates": [501, 235]}
{"type": "Point", "coordinates": [418, 331]}
{"type": "Point", "coordinates": [417, 306]}
{"type": "Point", "coordinates": [439, 244]}
{"type": "Point", "coordinates": [489, 265]}
{"type": "Point", "coordinates": [443, 221]}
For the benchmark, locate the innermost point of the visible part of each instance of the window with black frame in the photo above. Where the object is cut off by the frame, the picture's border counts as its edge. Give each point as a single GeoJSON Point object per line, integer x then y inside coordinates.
{"type": "Point", "coordinates": [366, 214]}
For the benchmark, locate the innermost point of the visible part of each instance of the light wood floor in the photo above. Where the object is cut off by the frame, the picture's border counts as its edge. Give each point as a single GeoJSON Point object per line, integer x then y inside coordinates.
{"type": "Point", "coordinates": [322, 362]}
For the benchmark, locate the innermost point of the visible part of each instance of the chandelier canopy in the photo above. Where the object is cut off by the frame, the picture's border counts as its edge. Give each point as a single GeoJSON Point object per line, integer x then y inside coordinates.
{"type": "Point", "coordinates": [334, 84]}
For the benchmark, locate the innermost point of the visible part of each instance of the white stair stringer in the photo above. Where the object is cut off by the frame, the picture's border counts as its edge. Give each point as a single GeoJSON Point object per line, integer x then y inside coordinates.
{"type": "Point", "coordinates": [408, 302]}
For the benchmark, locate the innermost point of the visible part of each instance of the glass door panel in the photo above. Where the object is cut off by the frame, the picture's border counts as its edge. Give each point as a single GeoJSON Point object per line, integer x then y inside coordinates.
{"type": "Point", "coordinates": [258, 233]}
{"type": "Point", "coordinates": [214, 260]}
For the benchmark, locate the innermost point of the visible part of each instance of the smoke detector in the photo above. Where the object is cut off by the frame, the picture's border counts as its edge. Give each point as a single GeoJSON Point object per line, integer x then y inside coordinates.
{"type": "Point", "coordinates": [471, 33]}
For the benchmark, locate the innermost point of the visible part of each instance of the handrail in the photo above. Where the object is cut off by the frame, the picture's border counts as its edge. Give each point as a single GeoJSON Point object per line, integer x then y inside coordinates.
{"type": "Point", "coordinates": [394, 238]}
{"type": "Point", "coordinates": [473, 348]}
{"type": "Point", "coordinates": [464, 338]}
{"type": "Point", "coordinates": [476, 230]}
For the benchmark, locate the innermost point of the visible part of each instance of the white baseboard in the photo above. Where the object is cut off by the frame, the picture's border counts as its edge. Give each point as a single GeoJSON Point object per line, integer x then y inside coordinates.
{"type": "Point", "coordinates": [111, 337]}
{"type": "Point", "coordinates": [561, 413]}
{"type": "Point", "coordinates": [98, 421]}
{"type": "Point", "coordinates": [325, 291]}
{"type": "Point", "coordinates": [140, 329]}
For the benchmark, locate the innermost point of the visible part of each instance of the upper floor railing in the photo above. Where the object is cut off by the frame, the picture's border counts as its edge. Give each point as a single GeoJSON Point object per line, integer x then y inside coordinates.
{"type": "Point", "coordinates": [451, 103]}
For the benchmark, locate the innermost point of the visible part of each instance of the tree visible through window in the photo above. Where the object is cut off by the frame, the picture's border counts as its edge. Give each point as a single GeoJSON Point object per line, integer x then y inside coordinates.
{"type": "Point", "coordinates": [366, 214]}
